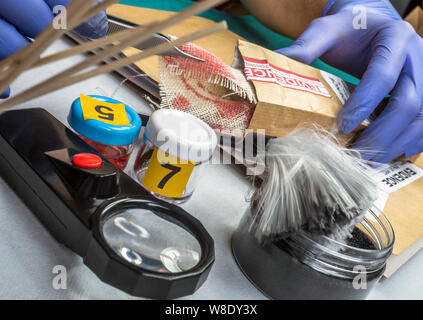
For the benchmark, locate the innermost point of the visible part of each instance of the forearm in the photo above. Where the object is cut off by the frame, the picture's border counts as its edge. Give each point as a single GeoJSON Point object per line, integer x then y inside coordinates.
{"type": "Point", "coordinates": [287, 17]}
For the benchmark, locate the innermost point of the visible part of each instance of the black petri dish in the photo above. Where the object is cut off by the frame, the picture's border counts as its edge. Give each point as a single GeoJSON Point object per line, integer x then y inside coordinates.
{"type": "Point", "coordinates": [303, 269]}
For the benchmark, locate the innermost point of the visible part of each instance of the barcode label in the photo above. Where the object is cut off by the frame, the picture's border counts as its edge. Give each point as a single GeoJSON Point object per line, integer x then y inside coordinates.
{"type": "Point", "coordinates": [338, 86]}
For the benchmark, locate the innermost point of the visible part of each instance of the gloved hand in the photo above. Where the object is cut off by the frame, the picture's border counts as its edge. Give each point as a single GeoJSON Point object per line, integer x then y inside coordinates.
{"type": "Point", "coordinates": [27, 18]}
{"type": "Point", "coordinates": [386, 53]}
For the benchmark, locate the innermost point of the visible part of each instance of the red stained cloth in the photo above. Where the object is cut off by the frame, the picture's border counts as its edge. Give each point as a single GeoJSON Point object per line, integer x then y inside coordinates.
{"type": "Point", "coordinates": [210, 90]}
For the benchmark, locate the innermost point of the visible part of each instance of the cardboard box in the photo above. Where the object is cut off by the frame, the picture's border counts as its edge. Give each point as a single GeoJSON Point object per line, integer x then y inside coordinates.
{"type": "Point", "coordinates": [291, 94]}
{"type": "Point", "coordinates": [415, 18]}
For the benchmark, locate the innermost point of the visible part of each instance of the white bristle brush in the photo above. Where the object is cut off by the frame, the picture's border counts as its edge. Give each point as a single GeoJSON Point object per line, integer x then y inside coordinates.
{"type": "Point", "coordinates": [311, 183]}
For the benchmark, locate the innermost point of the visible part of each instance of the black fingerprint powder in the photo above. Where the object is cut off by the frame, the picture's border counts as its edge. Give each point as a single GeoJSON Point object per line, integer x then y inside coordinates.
{"type": "Point", "coordinates": [360, 240]}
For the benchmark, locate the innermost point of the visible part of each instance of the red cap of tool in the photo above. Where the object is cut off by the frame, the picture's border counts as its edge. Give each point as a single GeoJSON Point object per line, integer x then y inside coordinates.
{"type": "Point", "coordinates": [87, 161]}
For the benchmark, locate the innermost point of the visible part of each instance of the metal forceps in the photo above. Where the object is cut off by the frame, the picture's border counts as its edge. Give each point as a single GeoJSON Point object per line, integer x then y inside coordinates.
{"type": "Point", "coordinates": [118, 24]}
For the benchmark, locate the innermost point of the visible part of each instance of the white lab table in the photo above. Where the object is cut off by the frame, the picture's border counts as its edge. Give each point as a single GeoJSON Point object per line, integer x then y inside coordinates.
{"type": "Point", "coordinates": [28, 253]}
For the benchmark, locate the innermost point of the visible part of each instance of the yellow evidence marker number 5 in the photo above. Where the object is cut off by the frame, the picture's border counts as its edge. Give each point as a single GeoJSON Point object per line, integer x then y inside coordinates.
{"type": "Point", "coordinates": [112, 113]}
{"type": "Point", "coordinates": [104, 115]}
{"type": "Point", "coordinates": [167, 179]}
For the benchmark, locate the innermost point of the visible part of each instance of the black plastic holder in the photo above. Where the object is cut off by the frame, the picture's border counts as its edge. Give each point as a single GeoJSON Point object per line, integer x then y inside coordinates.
{"type": "Point", "coordinates": [36, 161]}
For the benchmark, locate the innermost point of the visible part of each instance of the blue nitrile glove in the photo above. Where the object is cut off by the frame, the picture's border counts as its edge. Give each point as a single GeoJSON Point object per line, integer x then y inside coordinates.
{"type": "Point", "coordinates": [387, 54]}
{"type": "Point", "coordinates": [27, 18]}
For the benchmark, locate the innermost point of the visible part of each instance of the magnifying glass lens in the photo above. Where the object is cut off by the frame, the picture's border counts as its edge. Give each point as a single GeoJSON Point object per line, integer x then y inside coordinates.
{"type": "Point", "coordinates": [148, 241]}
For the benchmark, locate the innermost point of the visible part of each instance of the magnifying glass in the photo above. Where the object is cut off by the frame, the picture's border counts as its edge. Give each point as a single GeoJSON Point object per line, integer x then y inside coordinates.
{"type": "Point", "coordinates": [166, 249]}
{"type": "Point", "coordinates": [129, 239]}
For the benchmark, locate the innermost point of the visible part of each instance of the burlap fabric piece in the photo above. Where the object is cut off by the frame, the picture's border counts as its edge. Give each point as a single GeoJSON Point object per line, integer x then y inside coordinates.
{"type": "Point", "coordinates": [210, 90]}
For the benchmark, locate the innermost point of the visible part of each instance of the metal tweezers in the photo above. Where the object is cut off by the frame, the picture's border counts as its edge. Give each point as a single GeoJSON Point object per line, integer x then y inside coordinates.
{"type": "Point", "coordinates": [118, 24]}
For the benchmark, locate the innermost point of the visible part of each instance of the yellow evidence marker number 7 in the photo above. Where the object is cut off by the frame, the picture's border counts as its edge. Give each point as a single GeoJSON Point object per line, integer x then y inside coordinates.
{"type": "Point", "coordinates": [170, 184]}
{"type": "Point", "coordinates": [173, 170]}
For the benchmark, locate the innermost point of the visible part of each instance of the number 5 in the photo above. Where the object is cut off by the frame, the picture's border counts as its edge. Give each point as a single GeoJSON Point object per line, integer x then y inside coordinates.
{"type": "Point", "coordinates": [105, 115]}
{"type": "Point", "coordinates": [173, 170]}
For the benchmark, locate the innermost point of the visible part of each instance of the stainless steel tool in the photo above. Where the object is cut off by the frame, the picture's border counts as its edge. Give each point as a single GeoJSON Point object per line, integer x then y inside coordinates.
{"type": "Point", "coordinates": [118, 24]}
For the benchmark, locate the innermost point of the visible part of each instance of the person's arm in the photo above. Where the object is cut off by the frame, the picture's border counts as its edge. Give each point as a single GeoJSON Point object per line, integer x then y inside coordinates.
{"type": "Point", "coordinates": [287, 17]}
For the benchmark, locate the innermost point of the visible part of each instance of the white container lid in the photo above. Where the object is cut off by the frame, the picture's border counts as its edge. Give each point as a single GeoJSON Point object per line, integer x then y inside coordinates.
{"type": "Point", "coordinates": [181, 135]}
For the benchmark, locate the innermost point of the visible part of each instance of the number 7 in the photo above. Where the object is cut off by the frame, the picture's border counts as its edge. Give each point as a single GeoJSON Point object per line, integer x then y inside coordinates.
{"type": "Point", "coordinates": [173, 170]}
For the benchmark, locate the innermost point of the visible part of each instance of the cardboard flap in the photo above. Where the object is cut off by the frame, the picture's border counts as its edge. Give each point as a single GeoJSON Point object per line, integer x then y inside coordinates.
{"type": "Point", "coordinates": [276, 82]}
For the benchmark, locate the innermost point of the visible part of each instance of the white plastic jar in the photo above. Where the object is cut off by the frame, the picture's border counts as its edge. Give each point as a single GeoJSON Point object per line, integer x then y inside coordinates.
{"type": "Point", "coordinates": [176, 144]}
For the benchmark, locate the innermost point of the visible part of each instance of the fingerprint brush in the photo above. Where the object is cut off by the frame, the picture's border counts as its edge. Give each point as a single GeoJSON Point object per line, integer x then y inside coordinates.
{"type": "Point", "coordinates": [311, 183]}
